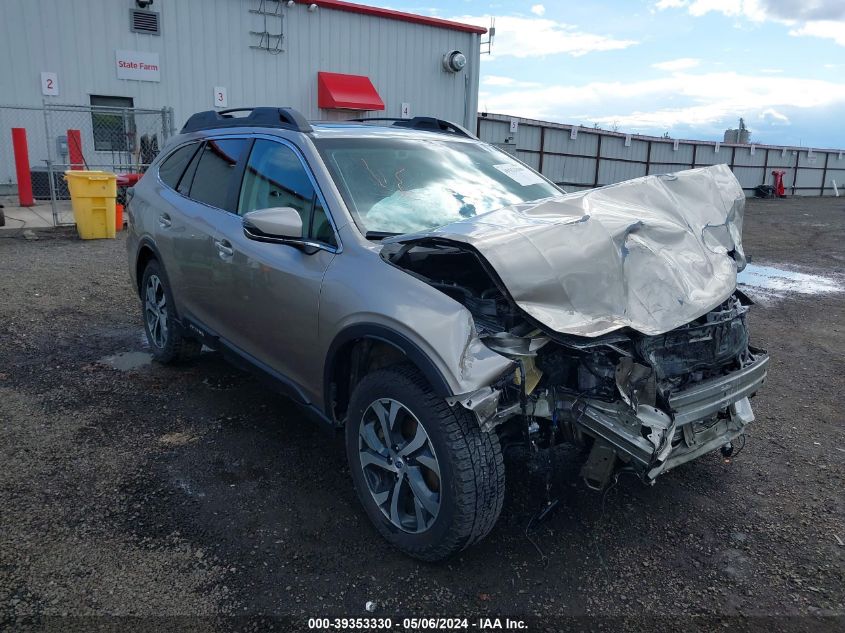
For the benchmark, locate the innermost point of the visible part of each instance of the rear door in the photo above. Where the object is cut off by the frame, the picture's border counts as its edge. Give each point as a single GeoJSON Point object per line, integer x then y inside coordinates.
{"type": "Point", "coordinates": [165, 220]}
{"type": "Point", "coordinates": [275, 290]}
{"type": "Point", "coordinates": [199, 249]}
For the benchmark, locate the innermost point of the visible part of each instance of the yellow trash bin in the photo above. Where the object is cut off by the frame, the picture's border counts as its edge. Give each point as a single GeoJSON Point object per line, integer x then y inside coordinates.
{"type": "Point", "coordinates": [92, 195]}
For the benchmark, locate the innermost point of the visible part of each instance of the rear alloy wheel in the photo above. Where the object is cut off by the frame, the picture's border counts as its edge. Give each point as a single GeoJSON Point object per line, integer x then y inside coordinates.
{"type": "Point", "coordinates": [431, 481]}
{"type": "Point", "coordinates": [163, 334]}
{"type": "Point", "coordinates": [156, 311]}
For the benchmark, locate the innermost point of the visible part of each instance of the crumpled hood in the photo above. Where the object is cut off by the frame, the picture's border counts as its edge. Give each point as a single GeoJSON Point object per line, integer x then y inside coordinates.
{"type": "Point", "coordinates": [652, 253]}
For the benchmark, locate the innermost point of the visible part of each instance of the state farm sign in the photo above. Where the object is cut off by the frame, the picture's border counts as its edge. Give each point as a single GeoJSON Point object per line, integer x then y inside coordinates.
{"type": "Point", "coordinates": [137, 65]}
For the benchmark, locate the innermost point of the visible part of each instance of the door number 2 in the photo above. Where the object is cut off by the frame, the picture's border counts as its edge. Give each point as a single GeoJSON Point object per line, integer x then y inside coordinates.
{"type": "Point", "coordinates": [49, 84]}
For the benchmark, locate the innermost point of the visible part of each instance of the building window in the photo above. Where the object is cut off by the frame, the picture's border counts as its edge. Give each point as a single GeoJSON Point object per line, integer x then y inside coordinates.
{"type": "Point", "coordinates": [113, 127]}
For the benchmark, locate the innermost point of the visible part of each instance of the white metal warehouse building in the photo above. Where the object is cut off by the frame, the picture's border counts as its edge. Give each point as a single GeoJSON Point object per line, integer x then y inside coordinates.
{"type": "Point", "coordinates": [327, 58]}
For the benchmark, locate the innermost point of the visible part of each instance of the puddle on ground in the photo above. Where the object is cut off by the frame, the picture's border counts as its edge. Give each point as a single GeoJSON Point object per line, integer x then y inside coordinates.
{"type": "Point", "coordinates": [127, 361]}
{"type": "Point", "coordinates": [777, 282]}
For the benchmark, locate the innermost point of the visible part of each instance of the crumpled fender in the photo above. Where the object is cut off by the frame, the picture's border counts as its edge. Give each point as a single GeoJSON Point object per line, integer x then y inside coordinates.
{"type": "Point", "coordinates": [440, 327]}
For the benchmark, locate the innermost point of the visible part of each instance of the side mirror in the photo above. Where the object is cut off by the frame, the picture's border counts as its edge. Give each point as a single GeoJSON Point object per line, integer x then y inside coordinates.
{"type": "Point", "coordinates": [279, 223]}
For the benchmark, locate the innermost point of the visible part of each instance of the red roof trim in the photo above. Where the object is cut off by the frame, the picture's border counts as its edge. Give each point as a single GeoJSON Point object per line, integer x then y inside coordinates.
{"type": "Point", "coordinates": [347, 92]}
{"type": "Point", "coordinates": [390, 14]}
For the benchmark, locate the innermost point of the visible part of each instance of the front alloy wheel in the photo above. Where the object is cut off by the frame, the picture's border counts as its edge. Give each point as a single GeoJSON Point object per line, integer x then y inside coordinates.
{"type": "Point", "coordinates": [430, 480]}
{"type": "Point", "coordinates": [399, 465]}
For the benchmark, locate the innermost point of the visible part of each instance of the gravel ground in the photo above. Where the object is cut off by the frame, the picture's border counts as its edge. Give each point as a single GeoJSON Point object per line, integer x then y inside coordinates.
{"type": "Point", "coordinates": [195, 491]}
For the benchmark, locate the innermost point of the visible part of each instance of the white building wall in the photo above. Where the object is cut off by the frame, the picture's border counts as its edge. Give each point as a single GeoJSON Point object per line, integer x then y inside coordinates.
{"type": "Point", "coordinates": [206, 43]}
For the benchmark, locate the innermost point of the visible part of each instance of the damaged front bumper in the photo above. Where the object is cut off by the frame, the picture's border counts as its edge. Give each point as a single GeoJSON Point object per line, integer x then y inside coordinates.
{"type": "Point", "coordinates": [702, 418]}
{"type": "Point", "coordinates": [651, 440]}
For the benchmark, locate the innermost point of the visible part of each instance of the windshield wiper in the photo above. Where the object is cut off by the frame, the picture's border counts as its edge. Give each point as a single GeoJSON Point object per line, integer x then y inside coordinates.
{"type": "Point", "coordinates": [379, 235]}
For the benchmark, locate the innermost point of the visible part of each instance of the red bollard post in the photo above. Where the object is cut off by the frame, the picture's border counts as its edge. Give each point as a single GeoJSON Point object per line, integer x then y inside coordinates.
{"type": "Point", "coordinates": [780, 190]}
{"type": "Point", "coordinates": [74, 149]}
{"type": "Point", "coordinates": [22, 166]}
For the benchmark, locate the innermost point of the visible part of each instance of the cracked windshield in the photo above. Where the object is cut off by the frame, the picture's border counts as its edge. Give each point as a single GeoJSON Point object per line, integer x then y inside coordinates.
{"type": "Point", "coordinates": [394, 186]}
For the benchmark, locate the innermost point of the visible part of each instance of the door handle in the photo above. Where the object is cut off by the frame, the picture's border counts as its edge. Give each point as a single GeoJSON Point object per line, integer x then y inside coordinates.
{"type": "Point", "coordinates": [164, 220]}
{"type": "Point", "coordinates": [224, 248]}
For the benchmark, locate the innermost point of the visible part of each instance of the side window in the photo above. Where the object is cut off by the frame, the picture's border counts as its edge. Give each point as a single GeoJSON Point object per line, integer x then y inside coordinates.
{"type": "Point", "coordinates": [188, 177]}
{"type": "Point", "coordinates": [174, 165]}
{"type": "Point", "coordinates": [321, 228]}
{"type": "Point", "coordinates": [275, 177]}
{"type": "Point", "coordinates": [215, 171]}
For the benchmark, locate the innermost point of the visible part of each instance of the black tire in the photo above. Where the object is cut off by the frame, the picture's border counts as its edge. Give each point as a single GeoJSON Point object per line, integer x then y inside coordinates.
{"type": "Point", "coordinates": [471, 486]}
{"type": "Point", "coordinates": [167, 344]}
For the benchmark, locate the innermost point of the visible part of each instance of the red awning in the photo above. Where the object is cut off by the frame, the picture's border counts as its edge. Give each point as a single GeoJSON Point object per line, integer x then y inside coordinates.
{"type": "Point", "coordinates": [347, 92]}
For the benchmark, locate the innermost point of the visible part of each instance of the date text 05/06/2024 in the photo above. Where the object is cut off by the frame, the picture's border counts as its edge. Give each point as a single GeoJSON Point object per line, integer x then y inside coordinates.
{"type": "Point", "coordinates": [417, 624]}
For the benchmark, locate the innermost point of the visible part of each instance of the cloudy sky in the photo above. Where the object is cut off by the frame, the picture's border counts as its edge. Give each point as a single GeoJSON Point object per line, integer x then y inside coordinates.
{"type": "Point", "coordinates": [689, 67]}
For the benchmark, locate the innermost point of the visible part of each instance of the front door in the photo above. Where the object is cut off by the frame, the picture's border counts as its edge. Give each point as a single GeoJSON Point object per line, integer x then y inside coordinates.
{"type": "Point", "coordinates": [275, 291]}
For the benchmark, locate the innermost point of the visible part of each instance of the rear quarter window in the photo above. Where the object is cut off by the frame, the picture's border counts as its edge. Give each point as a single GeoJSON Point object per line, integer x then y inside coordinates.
{"type": "Point", "coordinates": [173, 166]}
{"type": "Point", "coordinates": [216, 173]}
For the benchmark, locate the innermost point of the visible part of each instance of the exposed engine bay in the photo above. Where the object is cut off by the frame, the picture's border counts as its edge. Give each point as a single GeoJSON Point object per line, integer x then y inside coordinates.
{"type": "Point", "coordinates": [642, 402]}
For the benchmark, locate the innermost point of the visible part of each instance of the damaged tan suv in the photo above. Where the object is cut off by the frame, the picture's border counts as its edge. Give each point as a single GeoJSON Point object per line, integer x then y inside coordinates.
{"type": "Point", "coordinates": [437, 299]}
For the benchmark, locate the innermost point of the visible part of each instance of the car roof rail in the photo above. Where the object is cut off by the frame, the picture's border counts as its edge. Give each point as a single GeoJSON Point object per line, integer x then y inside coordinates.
{"type": "Point", "coordinates": [287, 118]}
{"type": "Point", "coordinates": [427, 123]}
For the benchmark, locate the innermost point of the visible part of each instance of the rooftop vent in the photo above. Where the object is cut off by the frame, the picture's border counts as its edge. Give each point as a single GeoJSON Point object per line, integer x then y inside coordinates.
{"type": "Point", "coordinates": [143, 21]}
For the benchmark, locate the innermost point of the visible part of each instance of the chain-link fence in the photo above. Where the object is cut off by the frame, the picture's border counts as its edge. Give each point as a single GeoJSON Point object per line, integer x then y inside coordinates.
{"type": "Point", "coordinates": [64, 137]}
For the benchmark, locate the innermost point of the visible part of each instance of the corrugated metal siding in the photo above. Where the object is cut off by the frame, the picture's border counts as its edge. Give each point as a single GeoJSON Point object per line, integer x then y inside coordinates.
{"type": "Point", "coordinates": [811, 159]}
{"type": "Point", "coordinates": [744, 157]}
{"type": "Point", "coordinates": [205, 43]}
{"type": "Point", "coordinates": [837, 176]}
{"type": "Point", "coordinates": [664, 152]}
{"type": "Point", "coordinates": [837, 160]}
{"type": "Point", "coordinates": [493, 131]}
{"type": "Point", "coordinates": [665, 168]}
{"type": "Point", "coordinates": [707, 155]}
{"type": "Point", "coordinates": [530, 159]}
{"type": "Point", "coordinates": [783, 158]}
{"type": "Point", "coordinates": [614, 171]}
{"type": "Point", "coordinates": [614, 147]}
{"type": "Point", "coordinates": [528, 137]}
{"type": "Point", "coordinates": [572, 163]}
{"type": "Point", "coordinates": [749, 176]}
{"type": "Point", "coordinates": [560, 141]}
{"type": "Point", "coordinates": [808, 178]}
{"type": "Point", "coordinates": [579, 171]}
